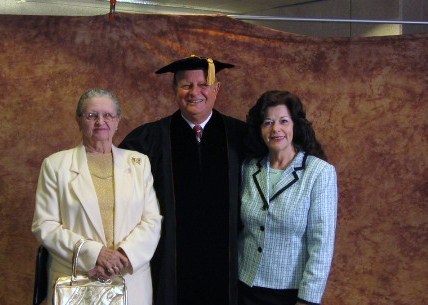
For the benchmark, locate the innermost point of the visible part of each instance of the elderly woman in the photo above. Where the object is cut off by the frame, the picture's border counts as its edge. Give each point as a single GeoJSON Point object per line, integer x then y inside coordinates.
{"type": "Point", "coordinates": [289, 204]}
{"type": "Point", "coordinates": [102, 193]}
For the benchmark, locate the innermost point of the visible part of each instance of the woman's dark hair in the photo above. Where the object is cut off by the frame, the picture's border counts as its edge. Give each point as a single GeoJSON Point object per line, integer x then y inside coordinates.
{"type": "Point", "coordinates": [303, 134]}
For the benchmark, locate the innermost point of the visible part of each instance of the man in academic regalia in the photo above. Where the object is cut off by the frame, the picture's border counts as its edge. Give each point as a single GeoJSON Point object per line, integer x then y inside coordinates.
{"type": "Point", "coordinates": [195, 156]}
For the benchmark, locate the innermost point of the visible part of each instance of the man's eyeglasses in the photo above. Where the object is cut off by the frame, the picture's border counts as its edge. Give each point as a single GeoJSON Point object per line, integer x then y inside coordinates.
{"type": "Point", "coordinates": [95, 116]}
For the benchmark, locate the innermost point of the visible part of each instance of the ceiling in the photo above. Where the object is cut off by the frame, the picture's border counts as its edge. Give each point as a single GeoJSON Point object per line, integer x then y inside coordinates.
{"type": "Point", "coordinates": [221, 6]}
{"type": "Point", "coordinates": [264, 11]}
{"type": "Point", "coordinates": [91, 7]}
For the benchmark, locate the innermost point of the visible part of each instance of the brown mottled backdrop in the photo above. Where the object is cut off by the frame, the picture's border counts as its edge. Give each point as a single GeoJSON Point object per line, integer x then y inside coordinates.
{"type": "Point", "coordinates": [367, 98]}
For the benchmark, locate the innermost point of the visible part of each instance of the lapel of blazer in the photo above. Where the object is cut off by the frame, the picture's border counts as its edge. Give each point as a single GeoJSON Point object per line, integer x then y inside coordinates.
{"type": "Point", "coordinates": [123, 189]}
{"type": "Point", "coordinates": [84, 189]}
{"type": "Point", "coordinates": [260, 178]}
{"type": "Point", "coordinates": [291, 177]}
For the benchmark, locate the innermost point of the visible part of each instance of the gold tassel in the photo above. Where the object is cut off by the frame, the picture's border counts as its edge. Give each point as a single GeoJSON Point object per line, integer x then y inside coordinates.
{"type": "Point", "coordinates": [211, 72]}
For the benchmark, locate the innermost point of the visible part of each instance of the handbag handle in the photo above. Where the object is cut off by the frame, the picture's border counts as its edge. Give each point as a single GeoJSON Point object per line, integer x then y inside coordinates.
{"type": "Point", "coordinates": [76, 252]}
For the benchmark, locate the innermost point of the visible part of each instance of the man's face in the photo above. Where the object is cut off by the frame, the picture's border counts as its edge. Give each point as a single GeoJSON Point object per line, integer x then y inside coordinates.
{"type": "Point", "coordinates": [193, 96]}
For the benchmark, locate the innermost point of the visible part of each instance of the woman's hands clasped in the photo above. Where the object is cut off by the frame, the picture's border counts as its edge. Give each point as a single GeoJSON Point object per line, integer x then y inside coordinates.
{"type": "Point", "coordinates": [109, 262]}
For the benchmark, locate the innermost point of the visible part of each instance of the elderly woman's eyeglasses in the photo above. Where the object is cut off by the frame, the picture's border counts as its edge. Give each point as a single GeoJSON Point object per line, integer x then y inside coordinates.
{"type": "Point", "coordinates": [95, 116]}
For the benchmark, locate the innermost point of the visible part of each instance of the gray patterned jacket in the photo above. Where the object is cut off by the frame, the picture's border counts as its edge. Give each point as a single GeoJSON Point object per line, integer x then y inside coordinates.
{"type": "Point", "coordinates": [287, 241]}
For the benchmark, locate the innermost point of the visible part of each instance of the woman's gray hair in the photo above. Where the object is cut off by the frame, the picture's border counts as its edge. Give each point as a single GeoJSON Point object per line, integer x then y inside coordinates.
{"type": "Point", "coordinates": [97, 93]}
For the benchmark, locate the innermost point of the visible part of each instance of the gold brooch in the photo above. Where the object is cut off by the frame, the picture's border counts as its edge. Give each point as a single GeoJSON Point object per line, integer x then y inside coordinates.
{"type": "Point", "coordinates": [136, 160]}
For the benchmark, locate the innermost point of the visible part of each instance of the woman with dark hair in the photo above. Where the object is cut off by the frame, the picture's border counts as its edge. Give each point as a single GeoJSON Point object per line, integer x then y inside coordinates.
{"type": "Point", "coordinates": [288, 207]}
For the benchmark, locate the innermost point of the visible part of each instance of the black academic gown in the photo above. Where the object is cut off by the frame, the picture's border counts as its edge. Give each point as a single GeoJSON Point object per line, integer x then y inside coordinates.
{"type": "Point", "coordinates": [198, 190]}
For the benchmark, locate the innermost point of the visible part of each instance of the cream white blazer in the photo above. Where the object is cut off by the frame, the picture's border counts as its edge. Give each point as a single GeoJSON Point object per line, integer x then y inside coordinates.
{"type": "Point", "coordinates": [67, 210]}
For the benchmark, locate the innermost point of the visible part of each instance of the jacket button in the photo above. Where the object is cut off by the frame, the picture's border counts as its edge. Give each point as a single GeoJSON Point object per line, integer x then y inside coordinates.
{"type": "Point", "coordinates": [259, 249]}
{"type": "Point", "coordinates": [262, 228]}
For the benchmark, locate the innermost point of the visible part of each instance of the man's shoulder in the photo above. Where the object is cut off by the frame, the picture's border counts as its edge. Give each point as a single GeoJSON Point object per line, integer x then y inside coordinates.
{"type": "Point", "coordinates": [231, 121]}
{"type": "Point", "coordinates": [229, 118]}
{"type": "Point", "coordinates": [154, 124]}
{"type": "Point", "coordinates": [145, 135]}
{"type": "Point", "coordinates": [150, 127]}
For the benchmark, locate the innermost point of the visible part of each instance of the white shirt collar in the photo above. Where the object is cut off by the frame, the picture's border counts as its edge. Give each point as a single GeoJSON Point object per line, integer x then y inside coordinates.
{"type": "Point", "coordinates": [202, 124]}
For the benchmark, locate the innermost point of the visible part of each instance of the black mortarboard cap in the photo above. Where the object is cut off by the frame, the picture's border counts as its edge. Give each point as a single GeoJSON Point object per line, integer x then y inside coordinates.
{"type": "Point", "coordinates": [196, 63]}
